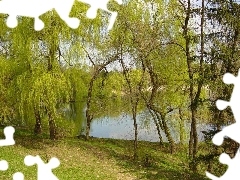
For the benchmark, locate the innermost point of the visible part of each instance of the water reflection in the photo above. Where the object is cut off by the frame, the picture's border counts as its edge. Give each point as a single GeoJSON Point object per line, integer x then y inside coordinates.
{"type": "Point", "coordinates": [121, 127]}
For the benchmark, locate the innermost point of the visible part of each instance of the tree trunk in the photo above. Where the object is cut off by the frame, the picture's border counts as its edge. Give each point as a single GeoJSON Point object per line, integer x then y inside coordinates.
{"type": "Point", "coordinates": [157, 126]}
{"type": "Point", "coordinates": [52, 52]}
{"type": "Point", "coordinates": [168, 134]}
{"type": "Point", "coordinates": [162, 121]}
{"type": "Point", "coordinates": [52, 127]}
{"type": "Point", "coordinates": [194, 98]}
{"type": "Point", "coordinates": [195, 135]}
{"type": "Point", "coordinates": [38, 125]}
{"type": "Point", "coordinates": [97, 70]}
{"type": "Point", "coordinates": [193, 141]}
{"type": "Point", "coordinates": [88, 126]}
{"type": "Point", "coordinates": [89, 116]}
{"type": "Point", "coordinates": [134, 102]}
{"type": "Point", "coordinates": [190, 74]}
{"type": "Point", "coordinates": [181, 126]}
{"type": "Point", "coordinates": [135, 132]}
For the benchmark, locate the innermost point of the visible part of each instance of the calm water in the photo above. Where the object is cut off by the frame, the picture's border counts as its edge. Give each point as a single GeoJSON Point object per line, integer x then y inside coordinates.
{"type": "Point", "coordinates": [121, 127]}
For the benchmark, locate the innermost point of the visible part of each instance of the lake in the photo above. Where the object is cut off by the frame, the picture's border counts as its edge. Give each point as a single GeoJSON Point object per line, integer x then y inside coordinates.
{"type": "Point", "coordinates": [121, 127]}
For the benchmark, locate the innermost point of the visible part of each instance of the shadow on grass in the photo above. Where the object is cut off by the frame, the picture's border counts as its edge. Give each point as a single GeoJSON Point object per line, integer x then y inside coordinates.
{"type": "Point", "coordinates": [25, 138]}
{"type": "Point", "coordinates": [161, 165]}
{"type": "Point", "coordinates": [157, 167]}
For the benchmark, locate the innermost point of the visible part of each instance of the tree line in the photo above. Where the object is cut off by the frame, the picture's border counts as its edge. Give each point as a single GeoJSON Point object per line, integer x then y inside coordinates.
{"type": "Point", "coordinates": [167, 57]}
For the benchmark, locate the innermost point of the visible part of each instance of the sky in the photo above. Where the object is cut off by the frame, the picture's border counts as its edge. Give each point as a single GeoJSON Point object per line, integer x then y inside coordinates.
{"type": "Point", "coordinates": [195, 22]}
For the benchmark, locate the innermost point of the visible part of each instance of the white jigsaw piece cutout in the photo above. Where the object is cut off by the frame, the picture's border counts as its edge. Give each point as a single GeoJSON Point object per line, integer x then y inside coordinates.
{"type": "Point", "coordinates": [231, 131]}
{"type": "Point", "coordinates": [44, 170]}
{"type": "Point", "coordinates": [18, 176]}
{"type": "Point", "coordinates": [8, 133]}
{"type": "Point", "coordinates": [36, 8]}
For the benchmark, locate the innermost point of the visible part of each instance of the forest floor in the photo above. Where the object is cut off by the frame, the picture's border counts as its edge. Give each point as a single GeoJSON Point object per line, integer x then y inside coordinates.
{"type": "Point", "coordinates": [97, 159]}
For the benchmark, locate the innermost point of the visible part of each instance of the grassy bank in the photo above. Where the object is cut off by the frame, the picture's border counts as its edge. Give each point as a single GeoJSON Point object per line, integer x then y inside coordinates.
{"type": "Point", "coordinates": [97, 159]}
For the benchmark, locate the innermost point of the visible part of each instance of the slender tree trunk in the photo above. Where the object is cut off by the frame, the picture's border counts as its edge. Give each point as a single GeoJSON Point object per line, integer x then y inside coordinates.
{"type": "Point", "coordinates": [160, 116]}
{"type": "Point", "coordinates": [157, 126]}
{"type": "Point", "coordinates": [168, 134]}
{"type": "Point", "coordinates": [51, 58]}
{"type": "Point", "coordinates": [190, 74]}
{"type": "Point", "coordinates": [181, 126]}
{"type": "Point", "coordinates": [89, 116]}
{"type": "Point", "coordinates": [135, 131]}
{"type": "Point", "coordinates": [134, 102]}
{"type": "Point", "coordinates": [88, 125]}
{"type": "Point", "coordinates": [52, 126]}
{"type": "Point", "coordinates": [97, 70]}
{"type": "Point", "coordinates": [194, 133]}
{"type": "Point", "coordinates": [162, 121]}
{"type": "Point", "coordinates": [195, 99]}
{"type": "Point", "coordinates": [38, 125]}
{"type": "Point", "coordinates": [193, 141]}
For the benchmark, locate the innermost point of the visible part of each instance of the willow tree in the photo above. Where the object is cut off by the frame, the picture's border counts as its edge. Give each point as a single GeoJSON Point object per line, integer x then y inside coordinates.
{"type": "Point", "coordinates": [42, 86]}
{"type": "Point", "coordinates": [8, 101]}
{"type": "Point", "coordinates": [14, 50]}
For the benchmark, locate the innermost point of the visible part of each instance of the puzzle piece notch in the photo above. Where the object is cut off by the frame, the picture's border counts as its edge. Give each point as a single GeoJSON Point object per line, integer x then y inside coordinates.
{"type": "Point", "coordinates": [232, 172]}
{"type": "Point", "coordinates": [18, 176]}
{"type": "Point", "coordinates": [44, 170]}
{"type": "Point", "coordinates": [221, 105]}
{"type": "Point", "coordinates": [8, 133]}
{"type": "Point", "coordinates": [232, 130]}
{"type": "Point", "coordinates": [229, 78]}
{"type": "Point", "coordinates": [234, 100]}
{"type": "Point", "coordinates": [36, 8]}
{"type": "Point", "coordinates": [3, 165]}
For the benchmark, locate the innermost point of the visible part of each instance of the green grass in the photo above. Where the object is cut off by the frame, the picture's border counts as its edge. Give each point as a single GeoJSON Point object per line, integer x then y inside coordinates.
{"type": "Point", "coordinates": [97, 159]}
